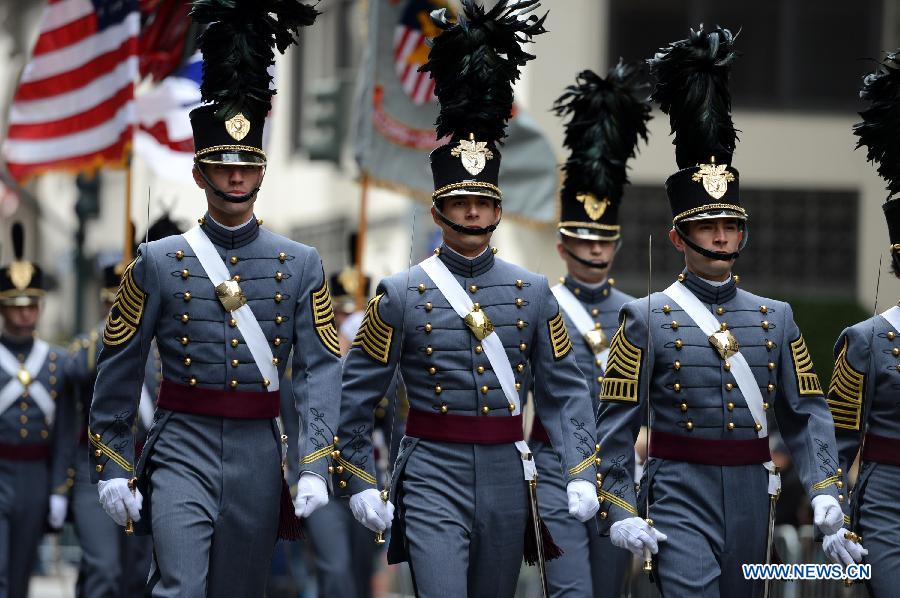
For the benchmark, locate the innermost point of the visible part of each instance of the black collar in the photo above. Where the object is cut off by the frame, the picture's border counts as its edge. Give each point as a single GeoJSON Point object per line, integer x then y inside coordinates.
{"type": "Point", "coordinates": [708, 293]}
{"type": "Point", "coordinates": [588, 294]}
{"type": "Point", "coordinates": [466, 267]}
{"type": "Point", "coordinates": [230, 239]}
{"type": "Point", "coordinates": [16, 345]}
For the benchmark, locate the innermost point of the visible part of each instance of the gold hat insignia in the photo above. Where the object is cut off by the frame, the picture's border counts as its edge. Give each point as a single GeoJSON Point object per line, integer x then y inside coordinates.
{"type": "Point", "coordinates": [237, 126]}
{"type": "Point", "coordinates": [714, 177]}
{"type": "Point", "coordinates": [594, 207]}
{"type": "Point", "coordinates": [473, 154]}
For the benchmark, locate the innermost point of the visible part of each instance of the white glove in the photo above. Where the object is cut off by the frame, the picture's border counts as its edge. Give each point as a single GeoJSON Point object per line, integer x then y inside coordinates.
{"type": "Point", "coordinates": [58, 506]}
{"type": "Point", "coordinates": [634, 534]}
{"type": "Point", "coordinates": [583, 503]}
{"type": "Point", "coordinates": [312, 493]}
{"type": "Point", "coordinates": [841, 550]}
{"type": "Point", "coordinates": [118, 501]}
{"type": "Point", "coordinates": [368, 508]}
{"type": "Point", "coordinates": [827, 514]}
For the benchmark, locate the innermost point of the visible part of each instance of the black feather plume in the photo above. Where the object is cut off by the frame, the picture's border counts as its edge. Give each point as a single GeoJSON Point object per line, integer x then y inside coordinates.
{"type": "Point", "coordinates": [18, 241]}
{"type": "Point", "coordinates": [692, 88]}
{"type": "Point", "coordinates": [879, 131]}
{"type": "Point", "coordinates": [474, 63]}
{"type": "Point", "coordinates": [238, 48]}
{"type": "Point", "coordinates": [608, 117]}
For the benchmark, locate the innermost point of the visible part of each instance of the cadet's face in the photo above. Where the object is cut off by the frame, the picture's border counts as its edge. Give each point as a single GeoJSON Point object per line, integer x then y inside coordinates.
{"type": "Point", "coordinates": [471, 211]}
{"type": "Point", "coordinates": [20, 321]}
{"type": "Point", "coordinates": [233, 180]}
{"type": "Point", "coordinates": [719, 235]}
{"type": "Point", "coordinates": [598, 252]}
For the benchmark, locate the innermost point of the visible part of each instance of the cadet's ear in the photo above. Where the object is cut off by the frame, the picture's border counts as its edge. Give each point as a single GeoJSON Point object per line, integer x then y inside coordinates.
{"type": "Point", "coordinates": [197, 178]}
{"type": "Point", "coordinates": [676, 240]}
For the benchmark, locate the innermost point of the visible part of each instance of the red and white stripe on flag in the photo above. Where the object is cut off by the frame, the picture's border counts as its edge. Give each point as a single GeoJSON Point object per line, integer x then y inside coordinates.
{"type": "Point", "coordinates": [411, 52]}
{"type": "Point", "coordinates": [74, 108]}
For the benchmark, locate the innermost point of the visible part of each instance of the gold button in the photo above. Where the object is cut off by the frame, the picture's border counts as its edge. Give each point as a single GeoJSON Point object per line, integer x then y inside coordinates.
{"type": "Point", "coordinates": [666, 309]}
{"type": "Point", "coordinates": [603, 514]}
{"type": "Point", "coordinates": [723, 326]}
{"type": "Point", "coordinates": [678, 344]}
{"type": "Point", "coordinates": [187, 295]}
{"type": "Point", "coordinates": [192, 382]}
{"type": "Point", "coordinates": [23, 406]}
{"type": "Point", "coordinates": [232, 322]}
{"type": "Point", "coordinates": [53, 394]}
{"type": "Point", "coordinates": [185, 317]}
{"type": "Point", "coordinates": [279, 276]}
{"type": "Point", "coordinates": [518, 386]}
{"type": "Point", "coordinates": [275, 361]}
{"type": "Point", "coordinates": [335, 454]}
{"type": "Point", "coordinates": [279, 319]}
{"type": "Point", "coordinates": [421, 287]}
{"type": "Point", "coordinates": [895, 351]}
{"type": "Point", "coordinates": [599, 378]}
{"type": "Point", "coordinates": [432, 370]}
{"type": "Point", "coordinates": [444, 408]}
{"type": "Point", "coordinates": [277, 341]}
{"type": "Point", "coordinates": [484, 389]}
{"type": "Point", "coordinates": [737, 279]}
{"type": "Point", "coordinates": [597, 326]}
{"type": "Point", "coordinates": [428, 306]}
{"type": "Point", "coordinates": [726, 366]}
{"type": "Point", "coordinates": [729, 386]}
{"type": "Point", "coordinates": [429, 350]}
{"type": "Point", "coordinates": [278, 297]}
{"type": "Point", "coordinates": [683, 407]}
{"type": "Point", "coordinates": [480, 369]}
{"type": "Point", "coordinates": [765, 406]}
{"type": "Point", "coordinates": [676, 366]}
{"type": "Point", "coordinates": [187, 361]}
{"type": "Point", "coordinates": [51, 367]}
{"type": "Point", "coordinates": [234, 383]}
{"type": "Point", "coordinates": [234, 342]}
{"type": "Point", "coordinates": [770, 345]}
{"type": "Point", "coordinates": [23, 419]}
{"type": "Point", "coordinates": [179, 255]}
{"type": "Point", "coordinates": [770, 388]}
{"type": "Point", "coordinates": [185, 340]}
{"type": "Point", "coordinates": [233, 260]}
{"type": "Point", "coordinates": [730, 406]}
{"type": "Point", "coordinates": [342, 484]}
{"type": "Point", "coordinates": [520, 324]}
{"type": "Point", "coordinates": [234, 363]}
{"type": "Point", "coordinates": [185, 273]}
{"type": "Point", "coordinates": [428, 327]}
{"type": "Point", "coordinates": [98, 453]}
{"type": "Point", "coordinates": [519, 302]}
{"type": "Point", "coordinates": [236, 278]}
{"type": "Point", "coordinates": [689, 425]}
{"type": "Point", "coordinates": [259, 221]}
{"type": "Point", "coordinates": [520, 283]}
{"type": "Point", "coordinates": [758, 427]}
{"type": "Point", "coordinates": [511, 407]}
{"type": "Point", "coordinates": [674, 325]}
{"type": "Point", "coordinates": [681, 278]}
{"type": "Point", "coordinates": [438, 390]}
{"type": "Point", "coordinates": [282, 257]}
{"type": "Point", "coordinates": [605, 292]}
{"type": "Point", "coordinates": [520, 367]}
{"type": "Point", "coordinates": [478, 349]}
{"type": "Point", "coordinates": [720, 310]}
{"type": "Point", "coordinates": [23, 433]}
{"type": "Point", "coordinates": [840, 497]}
{"type": "Point", "coordinates": [331, 469]}
{"type": "Point", "coordinates": [522, 347]}
{"type": "Point", "coordinates": [265, 382]}
{"type": "Point", "coordinates": [494, 250]}
{"type": "Point", "coordinates": [485, 409]}
{"type": "Point", "coordinates": [890, 335]}
{"type": "Point", "coordinates": [765, 324]}
{"type": "Point", "coordinates": [731, 425]}
{"type": "Point", "coordinates": [476, 306]}
{"type": "Point", "coordinates": [763, 309]}
{"type": "Point", "coordinates": [840, 471]}
{"type": "Point", "coordinates": [595, 312]}
{"type": "Point", "coordinates": [98, 468]}
{"type": "Point", "coordinates": [577, 291]}
{"type": "Point", "coordinates": [677, 387]}
{"type": "Point", "coordinates": [473, 288]}
{"type": "Point", "coordinates": [52, 380]}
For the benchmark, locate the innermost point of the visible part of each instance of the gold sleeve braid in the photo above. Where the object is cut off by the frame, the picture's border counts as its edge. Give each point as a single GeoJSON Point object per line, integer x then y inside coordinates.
{"type": "Point", "coordinates": [807, 380]}
{"type": "Point", "coordinates": [374, 335]}
{"type": "Point", "coordinates": [845, 394]}
{"type": "Point", "coordinates": [559, 336]}
{"type": "Point", "coordinates": [623, 367]}
{"type": "Point", "coordinates": [125, 315]}
{"type": "Point", "coordinates": [323, 318]}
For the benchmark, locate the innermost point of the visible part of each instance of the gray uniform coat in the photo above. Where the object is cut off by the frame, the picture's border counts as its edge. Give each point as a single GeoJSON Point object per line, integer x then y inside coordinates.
{"type": "Point", "coordinates": [715, 516]}
{"type": "Point", "coordinates": [212, 485]}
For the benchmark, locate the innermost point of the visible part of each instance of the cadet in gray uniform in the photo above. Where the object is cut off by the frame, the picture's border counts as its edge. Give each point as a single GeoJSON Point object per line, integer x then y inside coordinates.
{"type": "Point", "coordinates": [607, 117]}
{"type": "Point", "coordinates": [226, 302]}
{"type": "Point", "coordinates": [719, 365]}
{"type": "Point", "coordinates": [36, 425]}
{"type": "Point", "coordinates": [462, 327]}
{"type": "Point", "coordinates": [866, 379]}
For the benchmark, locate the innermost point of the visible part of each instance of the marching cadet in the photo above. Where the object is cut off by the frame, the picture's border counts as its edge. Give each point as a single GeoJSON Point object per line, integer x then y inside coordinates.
{"type": "Point", "coordinates": [607, 117]}
{"type": "Point", "coordinates": [714, 364]}
{"type": "Point", "coordinates": [866, 380]}
{"type": "Point", "coordinates": [112, 563]}
{"type": "Point", "coordinates": [462, 327]}
{"type": "Point", "coordinates": [226, 302]}
{"type": "Point", "coordinates": [36, 424]}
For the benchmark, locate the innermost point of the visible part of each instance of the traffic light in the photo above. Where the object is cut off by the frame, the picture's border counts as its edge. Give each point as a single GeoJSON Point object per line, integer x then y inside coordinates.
{"type": "Point", "coordinates": [327, 110]}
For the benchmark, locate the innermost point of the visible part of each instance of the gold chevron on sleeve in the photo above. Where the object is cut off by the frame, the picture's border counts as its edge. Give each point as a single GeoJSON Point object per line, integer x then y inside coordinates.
{"type": "Point", "coordinates": [845, 394]}
{"type": "Point", "coordinates": [807, 380]}
{"type": "Point", "coordinates": [623, 367]}
{"type": "Point", "coordinates": [125, 316]}
{"type": "Point", "coordinates": [559, 336]}
{"type": "Point", "coordinates": [110, 453]}
{"type": "Point", "coordinates": [612, 499]}
{"type": "Point", "coordinates": [374, 335]}
{"type": "Point", "coordinates": [323, 318]}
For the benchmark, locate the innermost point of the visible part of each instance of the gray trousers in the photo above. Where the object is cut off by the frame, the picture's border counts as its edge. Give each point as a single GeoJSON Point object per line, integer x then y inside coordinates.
{"type": "Point", "coordinates": [715, 518]}
{"type": "Point", "coordinates": [113, 564]}
{"type": "Point", "coordinates": [590, 565]}
{"type": "Point", "coordinates": [464, 510]}
{"type": "Point", "coordinates": [24, 496]}
{"type": "Point", "coordinates": [879, 527]}
{"type": "Point", "coordinates": [344, 551]}
{"type": "Point", "coordinates": [215, 489]}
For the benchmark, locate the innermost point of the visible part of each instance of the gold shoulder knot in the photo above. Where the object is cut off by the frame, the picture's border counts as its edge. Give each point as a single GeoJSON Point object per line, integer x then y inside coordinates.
{"type": "Point", "coordinates": [623, 368]}
{"type": "Point", "coordinates": [125, 316]}
{"type": "Point", "coordinates": [807, 380]}
{"type": "Point", "coordinates": [323, 318]}
{"type": "Point", "coordinates": [559, 336]}
{"type": "Point", "coordinates": [374, 334]}
{"type": "Point", "coordinates": [845, 394]}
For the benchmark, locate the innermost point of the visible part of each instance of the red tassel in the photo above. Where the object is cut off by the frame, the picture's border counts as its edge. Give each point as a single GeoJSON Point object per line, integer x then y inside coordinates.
{"type": "Point", "coordinates": [551, 549]}
{"type": "Point", "coordinates": [288, 523]}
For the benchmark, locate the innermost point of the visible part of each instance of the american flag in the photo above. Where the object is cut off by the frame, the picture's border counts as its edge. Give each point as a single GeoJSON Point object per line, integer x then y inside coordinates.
{"type": "Point", "coordinates": [411, 51]}
{"type": "Point", "coordinates": [74, 108]}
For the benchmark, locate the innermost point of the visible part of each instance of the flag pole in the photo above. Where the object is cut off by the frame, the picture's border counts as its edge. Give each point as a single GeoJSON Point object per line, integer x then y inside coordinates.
{"type": "Point", "coordinates": [128, 243]}
{"type": "Point", "coordinates": [360, 295]}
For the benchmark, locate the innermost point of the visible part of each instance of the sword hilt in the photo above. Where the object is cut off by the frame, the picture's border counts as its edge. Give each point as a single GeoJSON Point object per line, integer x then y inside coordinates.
{"type": "Point", "coordinates": [648, 557]}
{"type": "Point", "coordinates": [379, 536]}
{"type": "Point", "coordinates": [129, 524]}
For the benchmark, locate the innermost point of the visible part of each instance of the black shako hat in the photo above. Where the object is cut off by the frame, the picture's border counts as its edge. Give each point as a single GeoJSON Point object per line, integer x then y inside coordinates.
{"type": "Point", "coordinates": [607, 117]}
{"type": "Point", "coordinates": [22, 281]}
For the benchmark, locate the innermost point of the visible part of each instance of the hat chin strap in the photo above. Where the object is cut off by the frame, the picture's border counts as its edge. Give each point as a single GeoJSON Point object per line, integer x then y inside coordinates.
{"type": "Point", "coordinates": [222, 195]}
{"type": "Point", "coordinates": [464, 229]}
{"type": "Point", "coordinates": [588, 263]}
{"type": "Point", "coordinates": [724, 257]}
